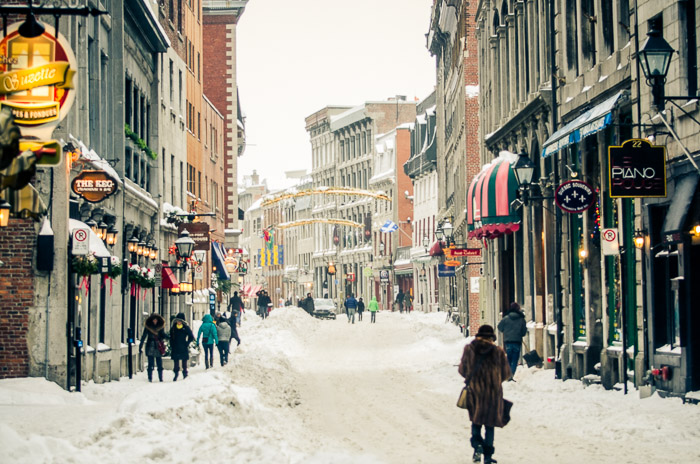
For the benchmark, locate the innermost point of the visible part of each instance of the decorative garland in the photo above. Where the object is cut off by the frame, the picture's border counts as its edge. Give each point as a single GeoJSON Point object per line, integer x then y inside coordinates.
{"type": "Point", "coordinates": [303, 222]}
{"type": "Point", "coordinates": [327, 191]}
{"type": "Point", "coordinates": [141, 278]}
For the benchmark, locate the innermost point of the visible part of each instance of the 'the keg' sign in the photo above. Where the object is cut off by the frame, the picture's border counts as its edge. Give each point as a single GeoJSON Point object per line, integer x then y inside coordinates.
{"type": "Point", "coordinates": [637, 169]}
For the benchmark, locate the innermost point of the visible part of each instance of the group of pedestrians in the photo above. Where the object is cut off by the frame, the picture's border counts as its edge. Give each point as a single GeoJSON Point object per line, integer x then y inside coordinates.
{"type": "Point", "coordinates": [264, 303]}
{"type": "Point", "coordinates": [485, 366]}
{"type": "Point", "coordinates": [354, 306]}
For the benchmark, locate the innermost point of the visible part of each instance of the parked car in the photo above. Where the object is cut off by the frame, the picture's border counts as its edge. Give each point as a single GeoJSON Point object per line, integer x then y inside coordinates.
{"type": "Point", "coordinates": [324, 308]}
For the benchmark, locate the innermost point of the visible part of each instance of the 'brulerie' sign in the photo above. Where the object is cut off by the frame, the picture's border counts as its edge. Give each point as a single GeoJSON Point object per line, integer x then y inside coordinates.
{"type": "Point", "coordinates": [637, 169]}
{"type": "Point", "coordinates": [94, 186]}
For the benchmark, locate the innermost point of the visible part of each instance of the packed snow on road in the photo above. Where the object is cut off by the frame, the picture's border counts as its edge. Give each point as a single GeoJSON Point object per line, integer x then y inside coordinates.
{"type": "Point", "coordinates": [302, 390]}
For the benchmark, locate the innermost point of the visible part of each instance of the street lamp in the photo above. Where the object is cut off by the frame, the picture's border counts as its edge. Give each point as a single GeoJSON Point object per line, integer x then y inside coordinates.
{"type": "Point", "coordinates": [154, 252]}
{"type": "Point", "coordinates": [4, 213]}
{"type": "Point", "coordinates": [448, 230]}
{"type": "Point", "coordinates": [111, 235]}
{"type": "Point", "coordinates": [655, 59]}
{"type": "Point", "coordinates": [102, 230]}
{"type": "Point", "coordinates": [141, 248]}
{"type": "Point", "coordinates": [133, 243]}
{"type": "Point", "coordinates": [381, 248]}
{"type": "Point", "coordinates": [92, 224]}
{"type": "Point", "coordinates": [438, 233]}
{"type": "Point", "coordinates": [426, 242]}
{"type": "Point", "coordinates": [184, 245]}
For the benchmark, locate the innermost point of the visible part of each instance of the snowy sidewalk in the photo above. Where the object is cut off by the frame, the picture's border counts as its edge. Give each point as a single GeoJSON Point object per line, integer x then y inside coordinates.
{"type": "Point", "coordinates": [301, 390]}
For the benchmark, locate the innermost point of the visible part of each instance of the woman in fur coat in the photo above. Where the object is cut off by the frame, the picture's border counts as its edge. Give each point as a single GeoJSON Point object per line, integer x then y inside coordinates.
{"type": "Point", "coordinates": [487, 365]}
{"type": "Point", "coordinates": [152, 333]}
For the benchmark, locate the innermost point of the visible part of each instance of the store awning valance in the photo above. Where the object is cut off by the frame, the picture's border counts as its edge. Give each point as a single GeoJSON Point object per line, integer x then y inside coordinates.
{"type": "Point", "coordinates": [168, 279]}
{"type": "Point", "coordinates": [590, 122]}
{"type": "Point", "coordinates": [217, 258]}
{"type": "Point", "coordinates": [250, 290]}
{"type": "Point", "coordinates": [489, 198]}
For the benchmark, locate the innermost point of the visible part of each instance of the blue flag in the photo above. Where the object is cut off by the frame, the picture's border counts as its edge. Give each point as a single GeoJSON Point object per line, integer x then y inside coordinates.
{"type": "Point", "coordinates": [389, 226]}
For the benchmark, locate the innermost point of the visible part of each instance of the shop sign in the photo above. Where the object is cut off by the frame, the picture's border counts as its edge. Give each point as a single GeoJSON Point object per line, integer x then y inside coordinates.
{"type": "Point", "coordinates": [637, 169]}
{"type": "Point", "coordinates": [199, 232]}
{"type": "Point", "coordinates": [445, 271]}
{"type": "Point", "coordinates": [465, 251]}
{"type": "Point", "coordinates": [94, 186]}
{"type": "Point", "coordinates": [367, 271]}
{"type": "Point", "coordinates": [452, 263]}
{"type": "Point", "coordinates": [350, 277]}
{"type": "Point", "coordinates": [574, 196]}
{"type": "Point", "coordinates": [36, 80]}
{"type": "Point", "coordinates": [231, 264]}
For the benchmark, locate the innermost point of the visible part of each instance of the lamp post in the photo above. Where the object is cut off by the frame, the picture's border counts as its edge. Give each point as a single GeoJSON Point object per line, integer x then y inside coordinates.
{"type": "Point", "coordinates": [132, 247]}
{"type": "Point", "coordinates": [185, 246]}
{"type": "Point", "coordinates": [524, 169]}
{"type": "Point", "coordinates": [655, 59]}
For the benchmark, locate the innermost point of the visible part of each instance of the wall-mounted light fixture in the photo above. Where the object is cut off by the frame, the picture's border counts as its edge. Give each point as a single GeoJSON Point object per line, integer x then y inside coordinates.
{"type": "Point", "coordinates": [132, 244]}
{"type": "Point", "coordinates": [639, 239]}
{"type": "Point", "coordinates": [4, 213]}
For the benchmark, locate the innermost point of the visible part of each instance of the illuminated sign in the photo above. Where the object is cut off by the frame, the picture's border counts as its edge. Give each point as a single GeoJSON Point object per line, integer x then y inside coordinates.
{"type": "Point", "coordinates": [637, 169]}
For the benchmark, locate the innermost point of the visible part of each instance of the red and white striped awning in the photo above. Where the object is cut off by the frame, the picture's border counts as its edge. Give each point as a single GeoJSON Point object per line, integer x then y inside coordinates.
{"type": "Point", "coordinates": [250, 289]}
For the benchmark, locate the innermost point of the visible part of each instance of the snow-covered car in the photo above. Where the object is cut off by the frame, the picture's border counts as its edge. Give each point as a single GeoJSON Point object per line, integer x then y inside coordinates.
{"type": "Point", "coordinates": [324, 308]}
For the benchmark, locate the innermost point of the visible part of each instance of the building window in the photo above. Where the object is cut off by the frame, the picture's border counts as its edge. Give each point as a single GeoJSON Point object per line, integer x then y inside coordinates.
{"type": "Point", "coordinates": [572, 36]}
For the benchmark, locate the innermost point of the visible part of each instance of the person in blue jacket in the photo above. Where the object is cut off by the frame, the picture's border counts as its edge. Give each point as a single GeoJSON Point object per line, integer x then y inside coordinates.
{"type": "Point", "coordinates": [351, 305]}
{"type": "Point", "coordinates": [207, 332]}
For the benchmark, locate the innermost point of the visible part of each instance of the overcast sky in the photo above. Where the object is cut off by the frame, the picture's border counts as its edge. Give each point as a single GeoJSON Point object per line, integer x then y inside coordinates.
{"type": "Point", "coordinates": [296, 57]}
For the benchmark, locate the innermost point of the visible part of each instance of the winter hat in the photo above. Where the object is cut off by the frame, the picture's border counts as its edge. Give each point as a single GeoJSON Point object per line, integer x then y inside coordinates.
{"type": "Point", "coordinates": [514, 307]}
{"type": "Point", "coordinates": [486, 331]}
{"type": "Point", "coordinates": [180, 316]}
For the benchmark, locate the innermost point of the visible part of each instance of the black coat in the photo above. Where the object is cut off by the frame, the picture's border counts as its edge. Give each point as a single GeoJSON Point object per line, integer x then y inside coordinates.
{"type": "Point", "coordinates": [235, 305]}
{"type": "Point", "coordinates": [308, 305]}
{"type": "Point", "coordinates": [360, 306]}
{"type": "Point", "coordinates": [180, 340]}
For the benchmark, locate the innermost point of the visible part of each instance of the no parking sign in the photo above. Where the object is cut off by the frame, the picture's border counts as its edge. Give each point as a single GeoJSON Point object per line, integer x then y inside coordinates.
{"type": "Point", "coordinates": [610, 242]}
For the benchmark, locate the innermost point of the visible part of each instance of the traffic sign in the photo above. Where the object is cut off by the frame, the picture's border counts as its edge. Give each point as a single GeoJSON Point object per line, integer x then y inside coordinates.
{"type": "Point", "coordinates": [81, 241]}
{"type": "Point", "coordinates": [610, 242]}
{"type": "Point", "coordinates": [199, 272]}
{"type": "Point", "coordinates": [158, 268]}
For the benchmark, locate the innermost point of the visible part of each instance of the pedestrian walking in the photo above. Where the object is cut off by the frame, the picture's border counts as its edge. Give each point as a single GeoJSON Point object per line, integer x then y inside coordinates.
{"type": "Point", "coordinates": [360, 308]}
{"type": "Point", "coordinates": [235, 307]}
{"type": "Point", "coordinates": [485, 367]}
{"type": "Point", "coordinates": [223, 334]}
{"type": "Point", "coordinates": [209, 337]}
{"type": "Point", "coordinates": [308, 304]}
{"type": "Point", "coordinates": [180, 338]}
{"type": "Point", "coordinates": [399, 300]}
{"type": "Point", "coordinates": [373, 307]}
{"type": "Point", "coordinates": [154, 338]}
{"type": "Point", "coordinates": [351, 305]}
{"type": "Point", "coordinates": [514, 328]}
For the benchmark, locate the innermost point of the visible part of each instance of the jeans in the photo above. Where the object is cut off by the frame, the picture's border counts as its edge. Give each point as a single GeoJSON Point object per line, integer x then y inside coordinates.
{"type": "Point", "coordinates": [223, 352]}
{"type": "Point", "coordinates": [359, 315]}
{"type": "Point", "coordinates": [477, 440]}
{"type": "Point", "coordinates": [513, 353]}
{"type": "Point", "coordinates": [208, 355]}
{"type": "Point", "coordinates": [374, 316]}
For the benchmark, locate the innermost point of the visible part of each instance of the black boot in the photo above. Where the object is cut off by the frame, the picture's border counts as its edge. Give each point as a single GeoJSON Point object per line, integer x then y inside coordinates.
{"type": "Point", "coordinates": [160, 375]}
{"type": "Point", "coordinates": [488, 453]}
{"type": "Point", "coordinates": [477, 454]}
{"type": "Point", "coordinates": [150, 375]}
{"type": "Point", "coordinates": [184, 374]}
{"type": "Point", "coordinates": [175, 378]}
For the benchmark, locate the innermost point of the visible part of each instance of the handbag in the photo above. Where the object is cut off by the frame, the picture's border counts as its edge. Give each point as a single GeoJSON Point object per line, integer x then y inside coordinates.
{"type": "Point", "coordinates": [507, 405]}
{"type": "Point", "coordinates": [465, 400]}
{"type": "Point", "coordinates": [160, 344]}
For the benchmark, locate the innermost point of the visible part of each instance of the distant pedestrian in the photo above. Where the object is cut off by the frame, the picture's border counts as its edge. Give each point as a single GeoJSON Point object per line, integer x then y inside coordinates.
{"type": "Point", "coordinates": [351, 305]}
{"type": "Point", "coordinates": [308, 304]}
{"type": "Point", "coordinates": [399, 300]}
{"type": "Point", "coordinates": [485, 365]}
{"type": "Point", "coordinates": [373, 307]}
{"type": "Point", "coordinates": [223, 334]}
{"type": "Point", "coordinates": [360, 308]}
{"type": "Point", "coordinates": [235, 307]}
{"type": "Point", "coordinates": [180, 338]}
{"type": "Point", "coordinates": [514, 328]}
{"type": "Point", "coordinates": [153, 335]}
{"type": "Point", "coordinates": [209, 337]}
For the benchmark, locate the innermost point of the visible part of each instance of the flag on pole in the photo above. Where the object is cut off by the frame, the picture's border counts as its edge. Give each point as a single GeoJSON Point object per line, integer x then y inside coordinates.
{"type": "Point", "coordinates": [389, 226]}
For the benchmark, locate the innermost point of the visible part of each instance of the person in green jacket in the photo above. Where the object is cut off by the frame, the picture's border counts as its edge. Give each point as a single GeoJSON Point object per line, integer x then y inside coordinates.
{"type": "Point", "coordinates": [373, 307]}
{"type": "Point", "coordinates": [207, 332]}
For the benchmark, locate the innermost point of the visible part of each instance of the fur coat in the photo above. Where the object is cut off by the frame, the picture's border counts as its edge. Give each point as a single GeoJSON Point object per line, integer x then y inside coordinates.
{"type": "Point", "coordinates": [152, 332]}
{"type": "Point", "coordinates": [486, 381]}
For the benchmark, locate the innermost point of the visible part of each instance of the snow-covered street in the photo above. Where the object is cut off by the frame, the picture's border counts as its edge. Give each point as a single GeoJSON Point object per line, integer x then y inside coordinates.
{"type": "Point", "coordinates": [301, 390]}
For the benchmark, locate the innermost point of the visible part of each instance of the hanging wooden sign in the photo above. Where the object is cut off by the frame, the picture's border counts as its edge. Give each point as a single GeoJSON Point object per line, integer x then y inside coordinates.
{"type": "Point", "coordinates": [94, 186]}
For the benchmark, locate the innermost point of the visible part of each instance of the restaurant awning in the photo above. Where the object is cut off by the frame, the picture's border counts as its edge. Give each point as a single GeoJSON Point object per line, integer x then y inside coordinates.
{"type": "Point", "coordinates": [250, 290]}
{"type": "Point", "coordinates": [590, 122]}
{"type": "Point", "coordinates": [682, 198]}
{"type": "Point", "coordinates": [489, 198]}
{"type": "Point", "coordinates": [168, 279]}
{"type": "Point", "coordinates": [217, 258]}
{"type": "Point", "coordinates": [436, 249]}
